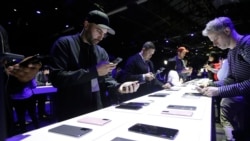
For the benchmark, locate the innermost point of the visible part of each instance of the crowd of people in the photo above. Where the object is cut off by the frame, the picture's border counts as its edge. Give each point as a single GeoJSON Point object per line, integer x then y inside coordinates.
{"type": "Point", "coordinates": [81, 71]}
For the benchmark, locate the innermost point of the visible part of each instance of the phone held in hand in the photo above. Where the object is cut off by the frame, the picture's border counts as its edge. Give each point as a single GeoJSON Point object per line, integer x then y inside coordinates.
{"type": "Point", "coordinates": [32, 60]}
{"type": "Point", "coordinates": [117, 60]}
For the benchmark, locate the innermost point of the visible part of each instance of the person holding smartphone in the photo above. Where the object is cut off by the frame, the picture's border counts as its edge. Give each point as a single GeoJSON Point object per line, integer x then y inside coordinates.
{"type": "Point", "coordinates": [16, 79]}
{"type": "Point", "coordinates": [81, 71]}
{"type": "Point", "coordinates": [139, 67]}
{"type": "Point", "coordinates": [234, 89]}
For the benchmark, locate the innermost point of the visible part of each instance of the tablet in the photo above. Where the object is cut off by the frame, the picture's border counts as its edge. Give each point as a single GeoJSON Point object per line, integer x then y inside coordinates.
{"type": "Point", "coordinates": [70, 130]}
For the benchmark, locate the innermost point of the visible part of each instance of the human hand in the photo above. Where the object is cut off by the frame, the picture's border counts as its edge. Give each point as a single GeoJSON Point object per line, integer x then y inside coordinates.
{"type": "Point", "coordinates": [129, 87]}
{"type": "Point", "coordinates": [149, 76]}
{"type": "Point", "coordinates": [104, 68]}
{"type": "Point", "coordinates": [166, 86]}
{"type": "Point", "coordinates": [47, 84]}
{"type": "Point", "coordinates": [209, 91]}
{"type": "Point", "coordinates": [23, 73]}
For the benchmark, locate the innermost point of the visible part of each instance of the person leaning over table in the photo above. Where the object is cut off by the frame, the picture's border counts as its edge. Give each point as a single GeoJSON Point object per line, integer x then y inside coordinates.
{"type": "Point", "coordinates": [81, 70]}
{"type": "Point", "coordinates": [183, 71]}
{"type": "Point", "coordinates": [16, 79]}
{"type": "Point", "coordinates": [139, 67]}
{"type": "Point", "coordinates": [234, 89]}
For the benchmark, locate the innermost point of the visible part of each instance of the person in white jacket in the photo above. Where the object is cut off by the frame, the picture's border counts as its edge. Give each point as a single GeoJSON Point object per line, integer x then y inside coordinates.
{"type": "Point", "coordinates": [171, 76]}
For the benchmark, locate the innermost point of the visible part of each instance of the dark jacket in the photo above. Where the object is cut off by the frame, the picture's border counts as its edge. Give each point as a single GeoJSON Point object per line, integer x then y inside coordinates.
{"type": "Point", "coordinates": [73, 67]}
{"type": "Point", "coordinates": [134, 70]}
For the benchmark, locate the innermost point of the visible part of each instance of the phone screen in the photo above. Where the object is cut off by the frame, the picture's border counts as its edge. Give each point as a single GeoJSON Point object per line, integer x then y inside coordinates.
{"type": "Point", "coordinates": [163, 132]}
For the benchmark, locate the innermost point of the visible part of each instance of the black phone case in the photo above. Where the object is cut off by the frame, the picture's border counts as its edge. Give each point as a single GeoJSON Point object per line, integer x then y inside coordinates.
{"type": "Point", "coordinates": [157, 131]}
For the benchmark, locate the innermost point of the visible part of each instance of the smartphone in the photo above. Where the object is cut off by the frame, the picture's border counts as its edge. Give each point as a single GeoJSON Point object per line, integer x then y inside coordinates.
{"type": "Point", "coordinates": [121, 139]}
{"type": "Point", "coordinates": [129, 107]}
{"type": "Point", "coordinates": [94, 120]}
{"type": "Point", "coordinates": [11, 58]}
{"type": "Point", "coordinates": [70, 130]}
{"type": "Point", "coordinates": [192, 95]}
{"type": "Point", "coordinates": [182, 107]}
{"type": "Point", "coordinates": [32, 60]}
{"type": "Point", "coordinates": [157, 131]}
{"type": "Point", "coordinates": [158, 95]}
{"type": "Point", "coordinates": [117, 60]}
{"type": "Point", "coordinates": [178, 112]}
{"type": "Point", "coordinates": [138, 103]}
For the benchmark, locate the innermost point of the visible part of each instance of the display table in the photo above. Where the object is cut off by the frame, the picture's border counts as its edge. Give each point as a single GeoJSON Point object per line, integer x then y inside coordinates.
{"type": "Point", "coordinates": [44, 90]}
{"type": "Point", "coordinates": [196, 127]}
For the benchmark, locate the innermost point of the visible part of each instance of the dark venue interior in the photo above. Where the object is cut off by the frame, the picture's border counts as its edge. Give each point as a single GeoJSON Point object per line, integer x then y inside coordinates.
{"type": "Point", "coordinates": [34, 25]}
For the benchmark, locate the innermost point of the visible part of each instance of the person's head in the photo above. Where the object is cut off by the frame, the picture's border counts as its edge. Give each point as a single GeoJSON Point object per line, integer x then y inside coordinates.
{"type": "Point", "coordinates": [96, 26]}
{"type": "Point", "coordinates": [220, 31]}
{"type": "Point", "coordinates": [181, 52]}
{"type": "Point", "coordinates": [213, 58]}
{"type": "Point", "coordinates": [148, 49]}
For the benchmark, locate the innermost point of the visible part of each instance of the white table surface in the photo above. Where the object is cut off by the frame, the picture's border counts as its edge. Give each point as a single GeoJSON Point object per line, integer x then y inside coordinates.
{"type": "Point", "coordinates": [194, 128]}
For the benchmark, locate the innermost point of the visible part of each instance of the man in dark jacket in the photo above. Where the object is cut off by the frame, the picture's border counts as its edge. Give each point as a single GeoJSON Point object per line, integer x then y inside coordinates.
{"type": "Point", "coordinates": [81, 69]}
{"type": "Point", "coordinates": [139, 67]}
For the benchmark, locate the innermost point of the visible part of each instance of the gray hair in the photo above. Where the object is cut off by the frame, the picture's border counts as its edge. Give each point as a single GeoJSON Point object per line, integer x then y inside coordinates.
{"type": "Point", "coordinates": [148, 45]}
{"type": "Point", "coordinates": [217, 25]}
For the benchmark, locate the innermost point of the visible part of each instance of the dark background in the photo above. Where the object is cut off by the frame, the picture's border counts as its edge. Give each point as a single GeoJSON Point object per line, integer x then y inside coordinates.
{"type": "Point", "coordinates": [168, 23]}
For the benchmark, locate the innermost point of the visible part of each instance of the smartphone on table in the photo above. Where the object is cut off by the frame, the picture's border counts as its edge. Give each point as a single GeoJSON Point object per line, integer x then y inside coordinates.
{"type": "Point", "coordinates": [94, 120]}
{"type": "Point", "coordinates": [157, 131]}
{"type": "Point", "coordinates": [70, 130]}
{"type": "Point", "coordinates": [182, 107]}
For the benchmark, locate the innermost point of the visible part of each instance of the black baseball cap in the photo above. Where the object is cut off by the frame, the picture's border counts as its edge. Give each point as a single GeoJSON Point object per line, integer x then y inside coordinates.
{"type": "Point", "coordinates": [101, 19]}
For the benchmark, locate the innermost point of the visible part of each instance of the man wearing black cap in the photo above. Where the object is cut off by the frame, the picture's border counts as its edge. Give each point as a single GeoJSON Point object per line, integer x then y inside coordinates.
{"type": "Point", "coordinates": [81, 69]}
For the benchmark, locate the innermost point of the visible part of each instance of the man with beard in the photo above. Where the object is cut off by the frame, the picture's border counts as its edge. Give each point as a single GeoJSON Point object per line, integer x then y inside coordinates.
{"type": "Point", "coordinates": [81, 70]}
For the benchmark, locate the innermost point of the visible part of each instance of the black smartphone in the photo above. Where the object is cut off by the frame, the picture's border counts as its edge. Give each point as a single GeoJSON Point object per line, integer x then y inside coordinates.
{"type": "Point", "coordinates": [158, 95]}
{"type": "Point", "coordinates": [136, 103]}
{"type": "Point", "coordinates": [194, 94]}
{"type": "Point", "coordinates": [121, 139]}
{"type": "Point", "coordinates": [117, 60]}
{"type": "Point", "coordinates": [129, 107]}
{"type": "Point", "coordinates": [32, 60]}
{"type": "Point", "coordinates": [157, 131]}
{"type": "Point", "coordinates": [182, 107]}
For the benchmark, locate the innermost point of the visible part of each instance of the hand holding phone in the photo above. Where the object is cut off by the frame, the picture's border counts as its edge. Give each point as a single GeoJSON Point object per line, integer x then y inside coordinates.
{"type": "Point", "coordinates": [30, 60]}
{"type": "Point", "coordinates": [117, 60]}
